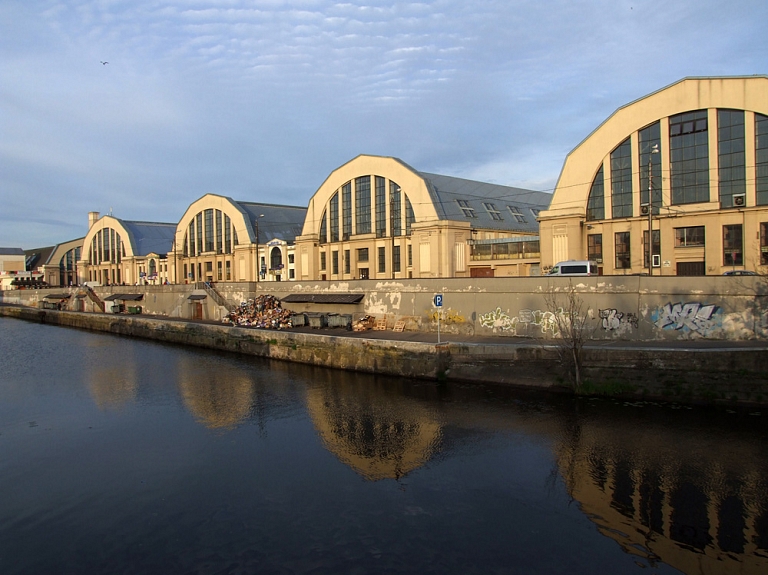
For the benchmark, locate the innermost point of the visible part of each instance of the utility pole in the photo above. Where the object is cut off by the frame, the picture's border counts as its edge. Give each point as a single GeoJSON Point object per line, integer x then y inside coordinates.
{"type": "Point", "coordinates": [654, 150]}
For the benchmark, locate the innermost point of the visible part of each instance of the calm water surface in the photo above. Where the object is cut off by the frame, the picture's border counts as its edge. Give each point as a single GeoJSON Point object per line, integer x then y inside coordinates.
{"type": "Point", "coordinates": [125, 456]}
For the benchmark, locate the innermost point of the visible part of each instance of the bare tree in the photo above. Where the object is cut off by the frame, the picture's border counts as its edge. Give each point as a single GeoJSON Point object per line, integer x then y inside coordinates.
{"type": "Point", "coordinates": [570, 318]}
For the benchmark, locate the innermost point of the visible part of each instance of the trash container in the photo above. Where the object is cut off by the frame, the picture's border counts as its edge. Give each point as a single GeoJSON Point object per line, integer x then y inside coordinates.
{"type": "Point", "coordinates": [317, 320]}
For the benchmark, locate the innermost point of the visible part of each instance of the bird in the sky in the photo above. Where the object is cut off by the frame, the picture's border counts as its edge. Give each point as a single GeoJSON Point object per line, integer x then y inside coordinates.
{"type": "Point", "coordinates": [104, 63]}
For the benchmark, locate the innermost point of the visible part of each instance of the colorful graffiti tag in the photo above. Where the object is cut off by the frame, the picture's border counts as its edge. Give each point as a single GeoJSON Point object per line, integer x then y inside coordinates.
{"type": "Point", "coordinates": [691, 317]}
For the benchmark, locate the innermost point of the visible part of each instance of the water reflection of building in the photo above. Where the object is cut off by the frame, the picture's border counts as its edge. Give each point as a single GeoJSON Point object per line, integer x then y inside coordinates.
{"type": "Point", "coordinates": [372, 427]}
{"type": "Point", "coordinates": [703, 512]}
{"type": "Point", "coordinates": [218, 394]}
{"type": "Point", "coordinates": [113, 385]}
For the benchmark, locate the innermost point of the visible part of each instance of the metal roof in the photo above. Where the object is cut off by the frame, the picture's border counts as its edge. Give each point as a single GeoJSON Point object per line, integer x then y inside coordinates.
{"type": "Point", "coordinates": [324, 298]}
{"type": "Point", "coordinates": [278, 222]}
{"type": "Point", "coordinates": [150, 237]}
{"type": "Point", "coordinates": [447, 193]}
{"type": "Point", "coordinates": [11, 252]}
{"type": "Point", "coordinates": [124, 297]}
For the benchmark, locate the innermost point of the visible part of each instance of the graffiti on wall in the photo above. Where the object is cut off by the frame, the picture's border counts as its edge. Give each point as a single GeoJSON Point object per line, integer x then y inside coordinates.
{"type": "Point", "coordinates": [691, 317]}
{"type": "Point", "coordinates": [617, 321]}
{"type": "Point", "coordinates": [499, 320]}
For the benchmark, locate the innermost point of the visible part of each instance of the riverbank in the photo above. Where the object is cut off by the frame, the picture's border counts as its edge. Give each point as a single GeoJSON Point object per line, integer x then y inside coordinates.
{"type": "Point", "coordinates": [686, 371]}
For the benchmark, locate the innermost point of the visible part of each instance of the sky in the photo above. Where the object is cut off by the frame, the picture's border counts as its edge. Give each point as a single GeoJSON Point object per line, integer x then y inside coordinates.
{"type": "Point", "coordinates": [260, 100]}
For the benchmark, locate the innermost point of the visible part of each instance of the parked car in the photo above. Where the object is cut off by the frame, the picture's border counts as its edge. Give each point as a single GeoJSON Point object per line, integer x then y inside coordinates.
{"type": "Point", "coordinates": [574, 268]}
{"type": "Point", "coordinates": [740, 273]}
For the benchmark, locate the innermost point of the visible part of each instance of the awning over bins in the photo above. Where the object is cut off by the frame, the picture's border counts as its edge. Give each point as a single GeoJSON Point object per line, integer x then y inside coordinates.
{"type": "Point", "coordinates": [338, 298]}
{"type": "Point", "coordinates": [124, 297]}
{"type": "Point", "coordinates": [56, 296]}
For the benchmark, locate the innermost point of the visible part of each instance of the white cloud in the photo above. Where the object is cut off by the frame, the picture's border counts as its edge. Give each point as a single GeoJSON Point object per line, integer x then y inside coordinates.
{"type": "Point", "coordinates": [257, 98]}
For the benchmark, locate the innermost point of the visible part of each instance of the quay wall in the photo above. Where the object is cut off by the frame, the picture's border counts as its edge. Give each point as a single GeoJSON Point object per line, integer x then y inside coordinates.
{"type": "Point", "coordinates": [625, 308]}
{"type": "Point", "coordinates": [734, 374]}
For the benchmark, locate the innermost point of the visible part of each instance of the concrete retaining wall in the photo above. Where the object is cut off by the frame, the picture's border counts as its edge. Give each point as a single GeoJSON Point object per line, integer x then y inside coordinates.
{"type": "Point", "coordinates": [679, 373]}
{"type": "Point", "coordinates": [627, 308]}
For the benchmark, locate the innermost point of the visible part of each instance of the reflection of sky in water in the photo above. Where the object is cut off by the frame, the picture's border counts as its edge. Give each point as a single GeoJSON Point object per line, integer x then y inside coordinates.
{"type": "Point", "coordinates": [180, 460]}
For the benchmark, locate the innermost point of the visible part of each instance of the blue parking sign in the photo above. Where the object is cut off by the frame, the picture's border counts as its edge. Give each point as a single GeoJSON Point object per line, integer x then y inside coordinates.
{"type": "Point", "coordinates": [438, 300]}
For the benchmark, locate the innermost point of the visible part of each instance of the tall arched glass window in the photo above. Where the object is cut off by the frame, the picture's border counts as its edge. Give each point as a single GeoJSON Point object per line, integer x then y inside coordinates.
{"type": "Point", "coordinates": [621, 180]}
{"type": "Point", "coordinates": [363, 205]}
{"type": "Point", "coordinates": [396, 207]}
{"type": "Point", "coordinates": [381, 207]}
{"type": "Point", "coordinates": [334, 217]}
{"type": "Point", "coordinates": [410, 218]}
{"type": "Point", "coordinates": [761, 158]}
{"type": "Point", "coordinates": [596, 201]}
{"type": "Point", "coordinates": [323, 228]}
{"type": "Point", "coordinates": [346, 211]}
{"type": "Point", "coordinates": [649, 139]}
{"type": "Point", "coordinates": [689, 157]}
{"type": "Point", "coordinates": [730, 156]}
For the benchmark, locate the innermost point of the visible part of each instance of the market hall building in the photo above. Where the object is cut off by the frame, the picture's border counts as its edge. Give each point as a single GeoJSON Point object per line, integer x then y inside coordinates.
{"type": "Point", "coordinates": [376, 217]}
{"type": "Point", "coordinates": [123, 252]}
{"type": "Point", "coordinates": [690, 162]}
{"type": "Point", "coordinates": [219, 239]}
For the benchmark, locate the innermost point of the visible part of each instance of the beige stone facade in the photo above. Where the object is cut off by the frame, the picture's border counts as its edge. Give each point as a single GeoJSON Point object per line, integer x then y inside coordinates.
{"type": "Point", "coordinates": [122, 252]}
{"type": "Point", "coordinates": [376, 217]}
{"type": "Point", "coordinates": [220, 239]}
{"type": "Point", "coordinates": [704, 143]}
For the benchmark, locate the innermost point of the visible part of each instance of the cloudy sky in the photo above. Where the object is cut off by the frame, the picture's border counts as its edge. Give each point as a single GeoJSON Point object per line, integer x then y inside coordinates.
{"type": "Point", "coordinates": [260, 100]}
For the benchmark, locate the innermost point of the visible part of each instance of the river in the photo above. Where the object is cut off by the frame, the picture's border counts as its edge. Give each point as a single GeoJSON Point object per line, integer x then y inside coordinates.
{"type": "Point", "coordinates": [121, 456]}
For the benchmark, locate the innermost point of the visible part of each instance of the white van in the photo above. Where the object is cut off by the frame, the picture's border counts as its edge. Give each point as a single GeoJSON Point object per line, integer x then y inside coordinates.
{"type": "Point", "coordinates": [574, 268]}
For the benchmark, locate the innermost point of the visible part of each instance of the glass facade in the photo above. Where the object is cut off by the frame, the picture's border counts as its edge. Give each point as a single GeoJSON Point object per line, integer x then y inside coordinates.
{"type": "Point", "coordinates": [649, 139]}
{"type": "Point", "coordinates": [761, 159]}
{"type": "Point", "coordinates": [689, 157]}
{"type": "Point", "coordinates": [595, 247]}
{"type": "Point", "coordinates": [334, 217]}
{"type": "Point", "coordinates": [227, 235]}
{"type": "Point", "coordinates": [396, 201]}
{"type": "Point", "coordinates": [622, 250]}
{"type": "Point", "coordinates": [596, 201]}
{"type": "Point", "coordinates": [208, 216]}
{"type": "Point", "coordinates": [219, 245]}
{"type": "Point", "coordinates": [363, 205]}
{"type": "Point", "coordinates": [730, 153]}
{"type": "Point", "coordinates": [381, 207]}
{"type": "Point", "coordinates": [346, 211]}
{"type": "Point", "coordinates": [410, 218]}
{"type": "Point", "coordinates": [323, 229]}
{"type": "Point", "coordinates": [656, 245]}
{"type": "Point", "coordinates": [517, 214]}
{"type": "Point", "coordinates": [621, 180]}
{"type": "Point", "coordinates": [689, 237]}
{"type": "Point", "coordinates": [733, 245]}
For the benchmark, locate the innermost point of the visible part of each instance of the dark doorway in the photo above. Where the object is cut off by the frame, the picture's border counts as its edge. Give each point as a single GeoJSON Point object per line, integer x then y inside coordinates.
{"type": "Point", "coordinates": [481, 272]}
{"type": "Point", "coordinates": [691, 268]}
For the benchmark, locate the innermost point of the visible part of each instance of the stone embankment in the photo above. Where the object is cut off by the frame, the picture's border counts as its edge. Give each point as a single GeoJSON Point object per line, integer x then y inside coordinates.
{"type": "Point", "coordinates": [681, 371]}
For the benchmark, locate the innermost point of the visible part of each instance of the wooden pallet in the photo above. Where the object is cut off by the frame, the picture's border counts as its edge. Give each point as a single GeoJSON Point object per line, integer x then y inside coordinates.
{"type": "Point", "coordinates": [399, 325]}
{"type": "Point", "coordinates": [380, 325]}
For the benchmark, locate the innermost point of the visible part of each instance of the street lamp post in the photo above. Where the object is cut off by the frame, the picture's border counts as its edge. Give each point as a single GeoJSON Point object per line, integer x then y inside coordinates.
{"type": "Point", "coordinates": [654, 150]}
{"type": "Point", "coordinates": [258, 254]}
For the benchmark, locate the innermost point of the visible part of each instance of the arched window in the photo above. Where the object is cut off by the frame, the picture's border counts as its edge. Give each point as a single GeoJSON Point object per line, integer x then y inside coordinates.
{"type": "Point", "coordinates": [323, 229]}
{"type": "Point", "coordinates": [152, 267]}
{"type": "Point", "coordinates": [621, 180]}
{"type": "Point", "coordinates": [275, 258]}
{"type": "Point", "coordinates": [596, 201]}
